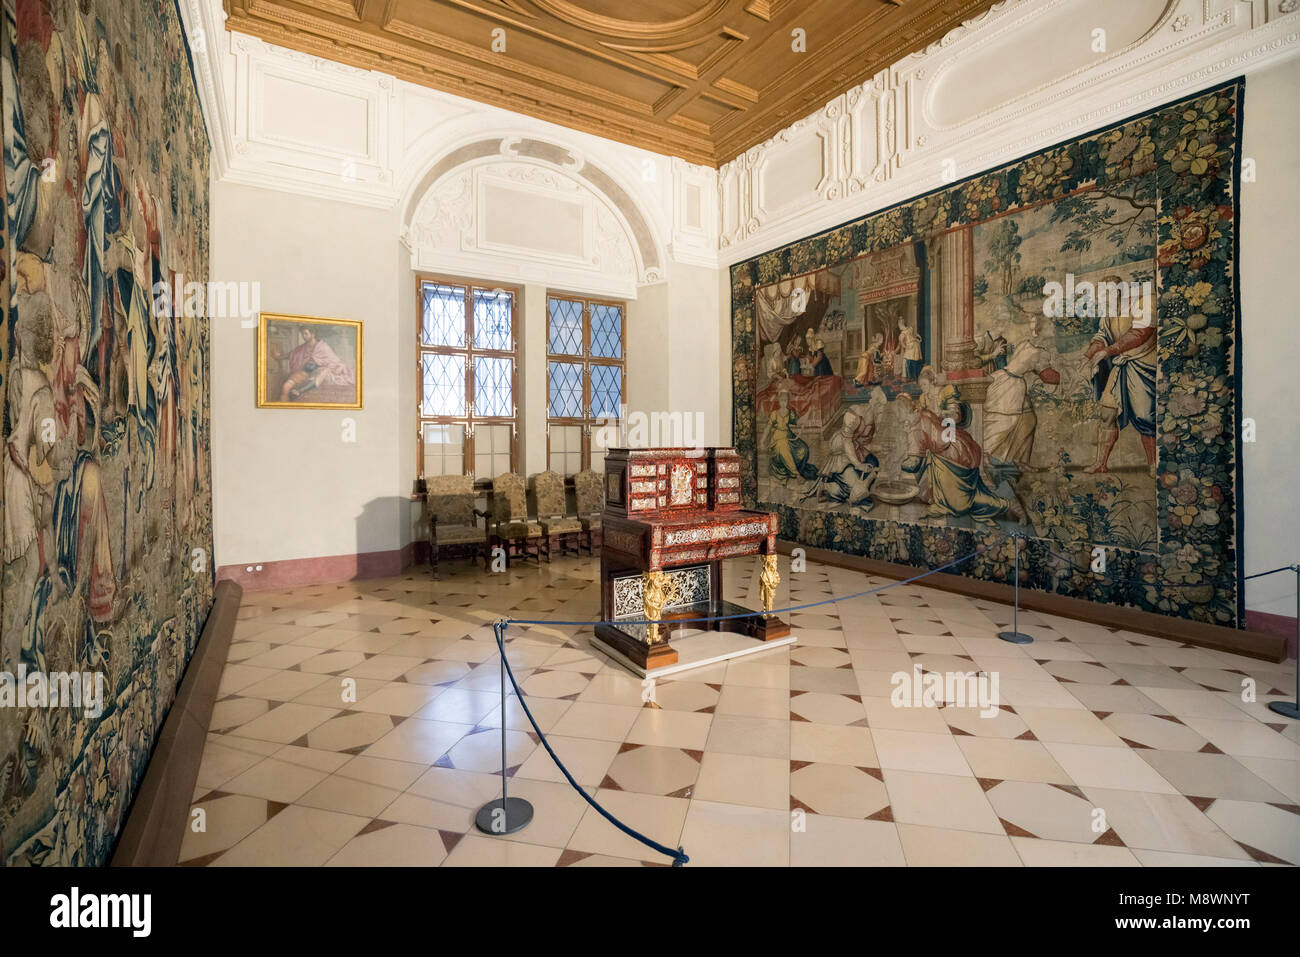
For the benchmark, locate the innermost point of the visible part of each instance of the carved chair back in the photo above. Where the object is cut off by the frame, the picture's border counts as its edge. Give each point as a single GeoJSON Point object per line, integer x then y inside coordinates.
{"type": "Point", "coordinates": [590, 488]}
{"type": "Point", "coordinates": [549, 488]}
{"type": "Point", "coordinates": [451, 499]}
{"type": "Point", "coordinates": [509, 498]}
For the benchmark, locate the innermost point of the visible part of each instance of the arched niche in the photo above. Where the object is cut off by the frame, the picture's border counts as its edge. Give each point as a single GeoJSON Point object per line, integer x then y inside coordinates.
{"type": "Point", "coordinates": [522, 208]}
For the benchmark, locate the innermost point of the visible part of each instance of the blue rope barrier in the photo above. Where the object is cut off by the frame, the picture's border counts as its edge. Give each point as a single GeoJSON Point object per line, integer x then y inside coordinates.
{"type": "Point", "coordinates": [679, 856]}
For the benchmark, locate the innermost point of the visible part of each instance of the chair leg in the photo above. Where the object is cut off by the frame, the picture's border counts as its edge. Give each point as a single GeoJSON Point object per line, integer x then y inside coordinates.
{"type": "Point", "coordinates": [433, 557]}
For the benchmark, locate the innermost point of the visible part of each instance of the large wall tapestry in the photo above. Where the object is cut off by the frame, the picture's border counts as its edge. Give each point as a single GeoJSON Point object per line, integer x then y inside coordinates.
{"type": "Point", "coordinates": [107, 518]}
{"type": "Point", "coordinates": [1046, 349]}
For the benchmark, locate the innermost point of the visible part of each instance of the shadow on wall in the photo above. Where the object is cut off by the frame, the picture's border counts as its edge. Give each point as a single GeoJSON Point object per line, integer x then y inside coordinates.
{"type": "Point", "coordinates": [383, 533]}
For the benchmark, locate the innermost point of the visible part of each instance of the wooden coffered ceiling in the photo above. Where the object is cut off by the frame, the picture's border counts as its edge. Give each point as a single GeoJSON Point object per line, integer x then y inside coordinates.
{"type": "Point", "coordinates": [700, 79]}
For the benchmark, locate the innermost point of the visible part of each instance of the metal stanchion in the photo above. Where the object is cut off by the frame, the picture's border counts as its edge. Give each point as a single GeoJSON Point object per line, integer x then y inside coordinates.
{"type": "Point", "coordinates": [1015, 635]}
{"type": "Point", "coordinates": [503, 815]}
{"type": "Point", "coordinates": [1291, 709]}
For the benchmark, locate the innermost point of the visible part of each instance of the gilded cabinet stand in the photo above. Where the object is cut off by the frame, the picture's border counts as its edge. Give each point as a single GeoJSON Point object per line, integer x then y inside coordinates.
{"type": "Point", "coordinates": [671, 516]}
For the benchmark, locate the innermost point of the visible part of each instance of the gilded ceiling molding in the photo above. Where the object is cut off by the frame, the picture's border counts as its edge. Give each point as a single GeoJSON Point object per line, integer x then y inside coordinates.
{"type": "Point", "coordinates": [703, 82]}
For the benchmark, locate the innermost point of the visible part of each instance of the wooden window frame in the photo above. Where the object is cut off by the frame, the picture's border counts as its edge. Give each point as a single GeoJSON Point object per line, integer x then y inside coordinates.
{"type": "Point", "coordinates": [469, 420]}
{"type": "Point", "coordinates": [586, 360]}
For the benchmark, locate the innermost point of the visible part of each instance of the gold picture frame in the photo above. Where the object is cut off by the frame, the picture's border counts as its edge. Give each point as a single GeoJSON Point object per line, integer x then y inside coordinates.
{"type": "Point", "coordinates": [317, 378]}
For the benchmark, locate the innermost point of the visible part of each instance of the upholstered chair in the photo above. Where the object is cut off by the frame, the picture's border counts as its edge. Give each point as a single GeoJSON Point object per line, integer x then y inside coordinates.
{"type": "Point", "coordinates": [453, 519]}
{"type": "Point", "coordinates": [589, 487]}
{"type": "Point", "coordinates": [552, 513]}
{"type": "Point", "coordinates": [512, 529]}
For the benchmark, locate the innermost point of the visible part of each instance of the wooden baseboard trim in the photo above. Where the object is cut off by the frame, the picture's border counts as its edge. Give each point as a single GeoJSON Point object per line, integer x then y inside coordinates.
{"type": "Point", "coordinates": [1271, 624]}
{"type": "Point", "coordinates": [160, 812]}
{"type": "Point", "coordinates": [1253, 644]}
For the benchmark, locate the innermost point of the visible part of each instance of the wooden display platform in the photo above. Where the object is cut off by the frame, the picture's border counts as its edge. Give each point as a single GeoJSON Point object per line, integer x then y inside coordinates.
{"type": "Point", "coordinates": [691, 644]}
{"type": "Point", "coordinates": [628, 641]}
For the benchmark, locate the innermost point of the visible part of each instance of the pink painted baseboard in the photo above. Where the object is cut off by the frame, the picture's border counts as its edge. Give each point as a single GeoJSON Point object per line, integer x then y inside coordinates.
{"type": "Point", "coordinates": [316, 571]}
{"type": "Point", "coordinates": [1274, 625]}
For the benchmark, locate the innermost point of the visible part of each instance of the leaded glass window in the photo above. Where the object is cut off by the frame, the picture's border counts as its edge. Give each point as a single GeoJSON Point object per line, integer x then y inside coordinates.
{"type": "Point", "coordinates": [468, 377]}
{"type": "Point", "coordinates": [585, 377]}
{"type": "Point", "coordinates": [566, 390]}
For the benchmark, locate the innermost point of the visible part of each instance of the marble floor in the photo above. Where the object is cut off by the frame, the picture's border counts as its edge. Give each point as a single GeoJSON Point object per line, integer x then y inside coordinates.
{"type": "Point", "coordinates": [1106, 747]}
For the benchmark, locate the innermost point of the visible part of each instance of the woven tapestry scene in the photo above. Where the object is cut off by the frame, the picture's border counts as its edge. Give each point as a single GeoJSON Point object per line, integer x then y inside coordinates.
{"type": "Point", "coordinates": [1042, 353]}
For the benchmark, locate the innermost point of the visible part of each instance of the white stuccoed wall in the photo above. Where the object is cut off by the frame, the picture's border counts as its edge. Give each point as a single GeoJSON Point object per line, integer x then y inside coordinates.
{"type": "Point", "coordinates": [285, 485]}
{"type": "Point", "coordinates": [345, 155]}
{"type": "Point", "coordinates": [1270, 314]}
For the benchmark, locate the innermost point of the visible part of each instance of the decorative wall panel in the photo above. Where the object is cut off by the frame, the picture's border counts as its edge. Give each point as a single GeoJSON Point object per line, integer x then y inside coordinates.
{"type": "Point", "coordinates": [1046, 349]}
{"type": "Point", "coordinates": [107, 505]}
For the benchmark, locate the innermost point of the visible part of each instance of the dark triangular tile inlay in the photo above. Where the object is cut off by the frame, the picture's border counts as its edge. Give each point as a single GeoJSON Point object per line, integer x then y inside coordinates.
{"type": "Point", "coordinates": [797, 805]}
{"type": "Point", "coordinates": [1110, 839]}
{"type": "Point", "coordinates": [1014, 830]}
{"type": "Point", "coordinates": [1071, 789]}
{"type": "Point", "coordinates": [1263, 857]}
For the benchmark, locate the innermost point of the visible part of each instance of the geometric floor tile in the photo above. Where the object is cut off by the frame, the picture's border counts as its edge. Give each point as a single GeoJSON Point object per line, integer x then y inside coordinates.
{"type": "Point", "coordinates": [359, 723]}
{"type": "Point", "coordinates": [839, 790]}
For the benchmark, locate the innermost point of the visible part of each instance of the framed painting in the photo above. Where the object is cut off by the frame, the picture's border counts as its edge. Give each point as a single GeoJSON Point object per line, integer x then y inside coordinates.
{"type": "Point", "coordinates": [305, 362]}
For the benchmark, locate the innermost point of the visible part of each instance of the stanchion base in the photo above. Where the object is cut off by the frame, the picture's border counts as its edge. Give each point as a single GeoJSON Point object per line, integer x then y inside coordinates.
{"type": "Point", "coordinates": [1016, 637]}
{"type": "Point", "coordinates": [491, 819]}
{"type": "Point", "coordinates": [1288, 709]}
